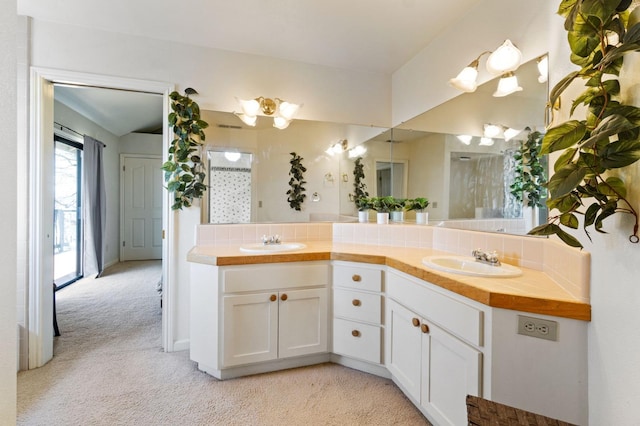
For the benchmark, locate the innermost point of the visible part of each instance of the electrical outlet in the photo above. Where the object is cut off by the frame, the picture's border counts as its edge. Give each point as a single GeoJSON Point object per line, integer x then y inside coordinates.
{"type": "Point", "coordinates": [537, 327]}
{"type": "Point", "coordinates": [434, 204]}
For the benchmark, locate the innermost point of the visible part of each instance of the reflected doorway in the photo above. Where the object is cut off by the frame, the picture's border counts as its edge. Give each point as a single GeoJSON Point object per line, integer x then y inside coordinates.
{"type": "Point", "coordinates": [67, 213]}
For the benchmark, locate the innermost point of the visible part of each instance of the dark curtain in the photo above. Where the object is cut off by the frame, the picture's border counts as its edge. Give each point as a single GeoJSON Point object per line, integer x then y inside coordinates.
{"type": "Point", "coordinates": [95, 206]}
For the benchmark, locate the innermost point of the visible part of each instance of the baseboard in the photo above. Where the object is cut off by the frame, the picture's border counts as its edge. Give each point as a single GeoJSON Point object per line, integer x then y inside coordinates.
{"type": "Point", "coordinates": [356, 364]}
{"type": "Point", "coordinates": [179, 345]}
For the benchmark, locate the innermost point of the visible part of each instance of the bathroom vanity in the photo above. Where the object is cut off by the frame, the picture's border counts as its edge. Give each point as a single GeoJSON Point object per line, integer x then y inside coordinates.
{"type": "Point", "coordinates": [439, 336]}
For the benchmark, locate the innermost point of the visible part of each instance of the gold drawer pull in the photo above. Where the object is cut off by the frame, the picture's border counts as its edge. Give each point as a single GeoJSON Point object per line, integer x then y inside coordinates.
{"type": "Point", "coordinates": [273, 298]}
{"type": "Point", "coordinates": [356, 302]}
{"type": "Point", "coordinates": [356, 278]}
{"type": "Point", "coordinates": [415, 322]}
{"type": "Point", "coordinates": [424, 328]}
{"type": "Point", "coordinates": [355, 333]}
{"type": "Point", "coordinates": [284, 297]}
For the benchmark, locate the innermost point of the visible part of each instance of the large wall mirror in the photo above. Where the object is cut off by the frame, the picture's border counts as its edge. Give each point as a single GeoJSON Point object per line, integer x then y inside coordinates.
{"type": "Point", "coordinates": [469, 180]}
{"type": "Point", "coordinates": [249, 169]}
{"type": "Point", "coordinates": [423, 157]}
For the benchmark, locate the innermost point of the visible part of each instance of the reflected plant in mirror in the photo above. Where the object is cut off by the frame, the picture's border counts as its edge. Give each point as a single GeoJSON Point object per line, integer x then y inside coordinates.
{"type": "Point", "coordinates": [296, 195]}
{"type": "Point", "coordinates": [529, 172]}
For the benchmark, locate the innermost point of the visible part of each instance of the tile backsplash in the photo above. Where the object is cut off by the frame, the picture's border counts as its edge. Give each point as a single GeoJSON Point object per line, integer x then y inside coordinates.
{"type": "Point", "coordinates": [569, 267]}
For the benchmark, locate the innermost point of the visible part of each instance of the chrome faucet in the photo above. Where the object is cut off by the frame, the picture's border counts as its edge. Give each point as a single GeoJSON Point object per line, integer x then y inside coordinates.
{"type": "Point", "coordinates": [272, 239]}
{"type": "Point", "coordinates": [488, 257]}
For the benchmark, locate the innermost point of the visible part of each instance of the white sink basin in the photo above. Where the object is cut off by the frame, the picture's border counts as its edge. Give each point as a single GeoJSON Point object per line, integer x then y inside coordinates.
{"type": "Point", "coordinates": [466, 265]}
{"type": "Point", "coordinates": [271, 248]}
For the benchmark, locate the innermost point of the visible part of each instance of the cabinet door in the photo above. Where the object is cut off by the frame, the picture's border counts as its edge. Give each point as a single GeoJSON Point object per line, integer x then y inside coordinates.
{"type": "Point", "coordinates": [404, 348]}
{"type": "Point", "coordinates": [250, 328]}
{"type": "Point", "coordinates": [303, 322]}
{"type": "Point", "coordinates": [451, 370]}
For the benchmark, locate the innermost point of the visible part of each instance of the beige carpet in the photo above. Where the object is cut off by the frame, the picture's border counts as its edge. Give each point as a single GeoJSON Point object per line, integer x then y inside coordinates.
{"type": "Point", "coordinates": [109, 369]}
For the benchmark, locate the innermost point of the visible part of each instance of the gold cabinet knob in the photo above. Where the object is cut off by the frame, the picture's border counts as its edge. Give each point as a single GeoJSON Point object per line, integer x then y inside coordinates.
{"type": "Point", "coordinates": [356, 302]}
{"type": "Point", "coordinates": [356, 278]}
{"type": "Point", "coordinates": [284, 297]}
{"type": "Point", "coordinates": [355, 333]}
{"type": "Point", "coordinates": [415, 322]}
{"type": "Point", "coordinates": [273, 298]}
{"type": "Point", "coordinates": [424, 328]}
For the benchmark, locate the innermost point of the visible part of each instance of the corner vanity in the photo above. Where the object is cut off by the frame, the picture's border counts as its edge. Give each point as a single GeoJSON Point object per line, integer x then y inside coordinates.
{"type": "Point", "coordinates": [378, 308]}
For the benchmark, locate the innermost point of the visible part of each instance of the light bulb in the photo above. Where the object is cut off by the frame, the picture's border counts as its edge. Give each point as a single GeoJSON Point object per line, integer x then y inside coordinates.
{"type": "Point", "coordinates": [288, 110]}
{"type": "Point", "coordinates": [280, 122]}
{"type": "Point", "coordinates": [504, 59]}
{"type": "Point", "coordinates": [249, 120]}
{"type": "Point", "coordinates": [250, 108]}
{"type": "Point", "coordinates": [466, 79]}
{"type": "Point", "coordinates": [486, 142]}
{"type": "Point", "coordinates": [465, 139]}
{"type": "Point", "coordinates": [507, 85]}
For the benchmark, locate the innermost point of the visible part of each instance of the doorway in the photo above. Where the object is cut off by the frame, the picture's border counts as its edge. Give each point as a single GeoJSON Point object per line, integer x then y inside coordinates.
{"type": "Point", "coordinates": [67, 213]}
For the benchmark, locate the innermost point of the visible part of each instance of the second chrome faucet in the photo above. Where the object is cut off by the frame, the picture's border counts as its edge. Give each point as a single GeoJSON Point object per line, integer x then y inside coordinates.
{"type": "Point", "coordinates": [488, 257]}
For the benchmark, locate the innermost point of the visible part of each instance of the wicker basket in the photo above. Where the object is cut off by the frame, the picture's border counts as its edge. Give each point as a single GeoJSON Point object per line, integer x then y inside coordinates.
{"type": "Point", "coordinates": [481, 412]}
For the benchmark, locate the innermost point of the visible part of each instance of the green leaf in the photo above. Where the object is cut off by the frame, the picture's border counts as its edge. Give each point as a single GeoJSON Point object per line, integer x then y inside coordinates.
{"type": "Point", "coordinates": [563, 136]}
{"type": "Point", "coordinates": [621, 154]}
{"type": "Point", "coordinates": [569, 220]}
{"type": "Point", "coordinates": [590, 214]}
{"type": "Point", "coordinates": [565, 158]}
{"type": "Point", "coordinates": [630, 42]}
{"type": "Point", "coordinates": [561, 86]}
{"type": "Point", "coordinates": [606, 212]}
{"type": "Point", "coordinates": [614, 186]}
{"type": "Point", "coordinates": [565, 180]}
{"type": "Point", "coordinates": [601, 9]}
{"type": "Point", "coordinates": [582, 44]}
{"type": "Point", "coordinates": [568, 239]}
{"type": "Point", "coordinates": [609, 126]}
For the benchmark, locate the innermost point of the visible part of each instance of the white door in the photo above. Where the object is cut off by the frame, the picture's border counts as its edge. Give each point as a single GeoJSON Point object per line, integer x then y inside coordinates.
{"type": "Point", "coordinates": [250, 328]}
{"type": "Point", "coordinates": [303, 322]}
{"type": "Point", "coordinates": [404, 347]}
{"type": "Point", "coordinates": [141, 208]}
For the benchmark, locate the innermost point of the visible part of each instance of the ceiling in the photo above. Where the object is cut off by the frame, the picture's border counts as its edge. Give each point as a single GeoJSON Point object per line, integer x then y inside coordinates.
{"type": "Point", "coordinates": [367, 35]}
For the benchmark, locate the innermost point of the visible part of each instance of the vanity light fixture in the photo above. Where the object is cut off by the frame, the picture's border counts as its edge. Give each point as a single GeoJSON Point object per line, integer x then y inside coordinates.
{"type": "Point", "coordinates": [507, 85]}
{"type": "Point", "coordinates": [282, 111]}
{"type": "Point", "coordinates": [506, 58]}
{"type": "Point", "coordinates": [465, 139]}
{"type": "Point", "coordinates": [486, 141]}
{"type": "Point", "coordinates": [543, 68]}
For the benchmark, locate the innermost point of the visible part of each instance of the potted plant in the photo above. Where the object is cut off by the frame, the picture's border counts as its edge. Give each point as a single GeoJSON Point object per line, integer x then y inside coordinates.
{"type": "Point", "coordinates": [382, 205]}
{"type": "Point", "coordinates": [398, 208]}
{"type": "Point", "coordinates": [419, 205]}
{"type": "Point", "coordinates": [363, 204]}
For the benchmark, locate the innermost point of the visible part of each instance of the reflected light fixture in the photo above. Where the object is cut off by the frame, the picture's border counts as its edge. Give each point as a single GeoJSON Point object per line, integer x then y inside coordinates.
{"type": "Point", "coordinates": [486, 142]}
{"type": "Point", "coordinates": [510, 133]}
{"type": "Point", "coordinates": [543, 68]}
{"type": "Point", "coordinates": [465, 139]}
{"type": "Point", "coordinates": [337, 147]}
{"type": "Point", "coordinates": [232, 156]}
{"type": "Point", "coordinates": [507, 85]}
{"type": "Point", "coordinates": [357, 151]}
{"type": "Point", "coordinates": [492, 130]}
{"type": "Point", "coordinates": [282, 111]}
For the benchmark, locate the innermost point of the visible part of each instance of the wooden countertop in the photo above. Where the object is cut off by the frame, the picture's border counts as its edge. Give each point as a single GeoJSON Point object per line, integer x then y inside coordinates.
{"type": "Point", "coordinates": [533, 291]}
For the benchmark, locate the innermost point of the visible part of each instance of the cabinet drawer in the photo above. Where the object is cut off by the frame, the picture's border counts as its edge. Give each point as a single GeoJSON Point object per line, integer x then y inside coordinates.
{"type": "Point", "coordinates": [357, 305]}
{"type": "Point", "coordinates": [357, 277]}
{"type": "Point", "coordinates": [357, 340]}
{"type": "Point", "coordinates": [461, 319]}
{"type": "Point", "coordinates": [274, 276]}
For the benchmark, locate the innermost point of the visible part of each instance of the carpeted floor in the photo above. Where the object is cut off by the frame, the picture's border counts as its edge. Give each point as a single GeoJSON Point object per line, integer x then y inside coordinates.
{"type": "Point", "coordinates": [109, 369]}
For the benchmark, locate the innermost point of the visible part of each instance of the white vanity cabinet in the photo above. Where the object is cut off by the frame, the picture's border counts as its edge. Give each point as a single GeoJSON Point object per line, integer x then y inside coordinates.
{"type": "Point", "coordinates": [255, 318]}
{"type": "Point", "coordinates": [428, 348]}
{"type": "Point", "coordinates": [357, 311]}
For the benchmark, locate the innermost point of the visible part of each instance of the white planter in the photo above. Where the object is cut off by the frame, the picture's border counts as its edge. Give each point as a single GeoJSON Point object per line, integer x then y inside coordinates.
{"type": "Point", "coordinates": [363, 216]}
{"type": "Point", "coordinates": [422, 218]}
{"type": "Point", "coordinates": [382, 217]}
{"type": "Point", "coordinates": [397, 216]}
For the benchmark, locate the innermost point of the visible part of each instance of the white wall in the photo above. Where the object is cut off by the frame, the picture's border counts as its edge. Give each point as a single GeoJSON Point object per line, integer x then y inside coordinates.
{"type": "Point", "coordinates": [328, 94]}
{"type": "Point", "coordinates": [421, 83]}
{"type": "Point", "coordinates": [8, 224]}
{"type": "Point", "coordinates": [140, 143]}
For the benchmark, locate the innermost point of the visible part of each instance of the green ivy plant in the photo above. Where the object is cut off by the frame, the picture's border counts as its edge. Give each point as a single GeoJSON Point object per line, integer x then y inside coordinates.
{"type": "Point", "coordinates": [529, 177]}
{"type": "Point", "coordinates": [296, 195]}
{"type": "Point", "coordinates": [359, 187]}
{"type": "Point", "coordinates": [608, 136]}
{"type": "Point", "coordinates": [184, 170]}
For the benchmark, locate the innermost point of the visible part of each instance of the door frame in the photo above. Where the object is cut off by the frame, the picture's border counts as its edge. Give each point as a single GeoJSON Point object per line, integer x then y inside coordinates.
{"type": "Point", "coordinates": [40, 256]}
{"type": "Point", "coordinates": [123, 157]}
